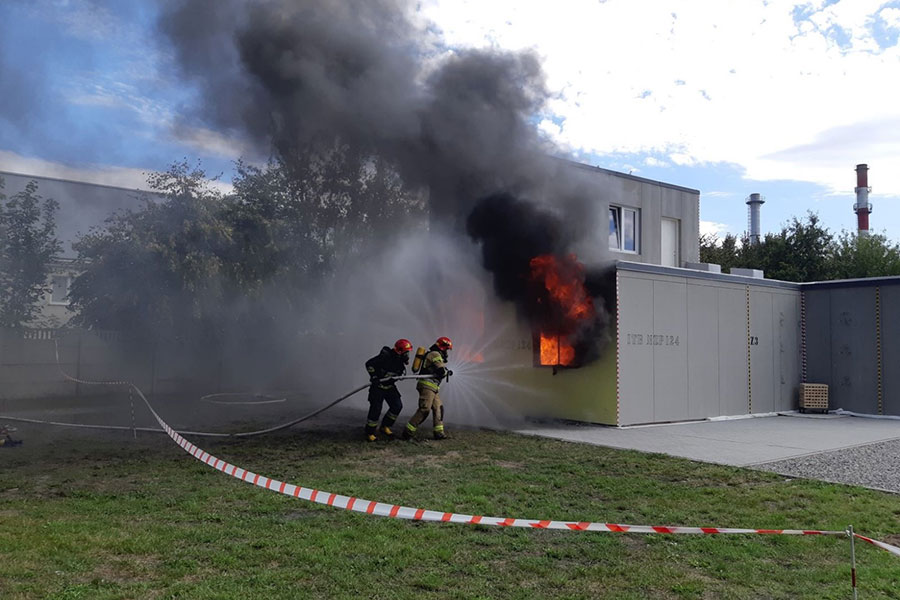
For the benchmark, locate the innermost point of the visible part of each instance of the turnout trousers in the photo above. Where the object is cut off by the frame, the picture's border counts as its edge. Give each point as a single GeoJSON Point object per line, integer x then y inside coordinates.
{"type": "Point", "coordinates": [429, 402]}
{"type": "Point", "coordinates": [377, 397]}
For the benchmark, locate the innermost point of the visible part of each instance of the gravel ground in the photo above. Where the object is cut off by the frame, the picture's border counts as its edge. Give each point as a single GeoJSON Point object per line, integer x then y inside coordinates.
{"type": "Point", "coordinates": [875, 466]}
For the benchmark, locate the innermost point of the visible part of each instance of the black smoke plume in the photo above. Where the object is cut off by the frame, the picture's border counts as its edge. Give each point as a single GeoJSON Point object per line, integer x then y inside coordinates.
{"type": "Point", "coordinates": [292, 74]}
{"type": "Point", "coordinates": [296, 74]}
{"type": "Point", "coordinates": [512, 233]}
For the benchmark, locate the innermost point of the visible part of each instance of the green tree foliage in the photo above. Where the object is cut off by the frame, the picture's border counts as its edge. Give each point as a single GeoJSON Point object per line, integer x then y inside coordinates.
{"type": "Point", "coordinates": [867, 256]}
{"type": "Point", "coordinates": [27, 244]}
{"type": "Point", "coordinates": [195, 261]}
{"type": "Point", "coordinates": [800, 252]}
{"type": "Point", "coordinates": [162, 266]}
{"type": "Point", "coordinates": [722, 252]}
{"type": "Point", "coordinates": [806, 251]}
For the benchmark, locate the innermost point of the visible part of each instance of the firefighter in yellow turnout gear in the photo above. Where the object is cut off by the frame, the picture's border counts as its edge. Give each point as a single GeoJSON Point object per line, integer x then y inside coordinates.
{"type": "Point", "coordinates": [435, 365]}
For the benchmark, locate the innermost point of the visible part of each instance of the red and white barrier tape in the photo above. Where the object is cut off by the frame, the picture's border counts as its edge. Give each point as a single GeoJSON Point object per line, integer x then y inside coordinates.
{"type": "Point", "coordinates": [892, 549]}
{"type": "Point", "coordinates": [420, 514]}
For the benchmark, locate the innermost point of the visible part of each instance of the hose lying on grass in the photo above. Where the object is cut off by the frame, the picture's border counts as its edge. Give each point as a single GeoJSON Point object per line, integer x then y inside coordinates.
{"type": "Point", "coordinates": [244, 434]}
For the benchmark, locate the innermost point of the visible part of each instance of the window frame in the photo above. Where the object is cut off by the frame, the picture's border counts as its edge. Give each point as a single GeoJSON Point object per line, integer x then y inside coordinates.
{"type": "Point", "coordinates": [65, 300]}
{"type": "Point", "coordinates": [617, 215]}
{"type": "Point", "coordinates": [536, 355]}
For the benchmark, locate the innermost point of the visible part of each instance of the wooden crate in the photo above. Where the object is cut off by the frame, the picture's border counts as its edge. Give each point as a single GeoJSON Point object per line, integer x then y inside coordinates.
{"type": "Point", "coordinates": [813, 396]}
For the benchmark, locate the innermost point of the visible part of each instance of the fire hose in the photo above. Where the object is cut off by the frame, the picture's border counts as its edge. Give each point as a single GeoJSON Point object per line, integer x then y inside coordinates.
{"type": "Point", "coordinates": [245, 434]}
{"type": "Point", "coordinates": [355, 504]}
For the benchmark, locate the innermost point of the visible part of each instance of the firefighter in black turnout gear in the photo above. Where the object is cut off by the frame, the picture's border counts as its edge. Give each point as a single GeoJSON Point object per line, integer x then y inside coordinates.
{"type": "Point", "coordinates": [390, 362]}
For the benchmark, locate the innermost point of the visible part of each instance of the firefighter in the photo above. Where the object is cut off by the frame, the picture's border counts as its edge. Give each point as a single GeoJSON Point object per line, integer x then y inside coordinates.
{"type": "Point", "coordinates": [390, 362]}
{"type": "Point", "coordinates": [435, 364]}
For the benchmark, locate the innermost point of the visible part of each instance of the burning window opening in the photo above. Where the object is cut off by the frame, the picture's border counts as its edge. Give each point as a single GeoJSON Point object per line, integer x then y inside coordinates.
{"type": "Point", "coordinates": [553, 350]}
{"type": "Point", "coordinates": [568, 309]}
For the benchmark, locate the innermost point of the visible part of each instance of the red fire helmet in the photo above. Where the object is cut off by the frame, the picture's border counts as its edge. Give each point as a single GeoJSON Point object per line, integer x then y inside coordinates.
{"type": "Point", "coordinates": [444, 343]}
{"type": "Point", "coordinates": [402, 345]}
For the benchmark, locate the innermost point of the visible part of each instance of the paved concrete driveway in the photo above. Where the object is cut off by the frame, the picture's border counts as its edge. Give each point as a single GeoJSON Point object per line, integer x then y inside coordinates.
{"type": "Point", "coordinates": [739, 442]}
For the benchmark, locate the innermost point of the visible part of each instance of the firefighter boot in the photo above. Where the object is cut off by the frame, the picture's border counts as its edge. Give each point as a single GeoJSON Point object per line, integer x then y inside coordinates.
{"type": "Point", "coordinates": [439, 433]}
{"type": "Point", "coordinates": [386, 424]}
{"type": "Point", "coordinates": [370, 431]}
{"type": "Point", "coordinates": [408, 432]}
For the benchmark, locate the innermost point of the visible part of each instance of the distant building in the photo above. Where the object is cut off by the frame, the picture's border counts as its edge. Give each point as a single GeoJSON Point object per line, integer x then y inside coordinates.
{"type": "Point", "coordinates": [81, 207]}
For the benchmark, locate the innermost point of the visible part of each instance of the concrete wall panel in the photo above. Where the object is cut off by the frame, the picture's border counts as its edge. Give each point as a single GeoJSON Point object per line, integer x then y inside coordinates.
{"type": "Point", "coordinates": [703, 351]}
{"type": "Point", "coordinates": [853, 357]}
{"type": "Point", "coordinates": [669, 341]}
{"type": "Point", "coordinates": [890, 349]}
{"type": "Point", "coordinates": [786, 314]}
{"type": "Point", "coordinates": [761, 342]}
{"type": "Point", "coordinates": [733, 386]}
{"type": "Point", "coordinates": [818, 336]}
{"type": "Point", "coordinates": [636, 382]}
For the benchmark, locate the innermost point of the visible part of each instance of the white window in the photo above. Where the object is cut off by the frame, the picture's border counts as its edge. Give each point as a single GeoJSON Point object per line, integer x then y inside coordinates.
{"type": "Point", "coordinates": [60, 289]}
{"type": "Point", "coordinates": [624, 229]}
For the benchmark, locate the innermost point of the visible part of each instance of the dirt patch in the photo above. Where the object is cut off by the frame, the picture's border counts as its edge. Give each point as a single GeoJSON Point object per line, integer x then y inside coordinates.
{"type": "Point", "coordinates": [506, 464]}
{"type": "Point", "coordinates": [296, 515]}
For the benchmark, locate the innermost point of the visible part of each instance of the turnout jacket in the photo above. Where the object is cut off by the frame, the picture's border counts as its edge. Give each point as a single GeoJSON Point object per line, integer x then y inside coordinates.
{"type": "Point", "coordinates": [434, 365]}
{"type": "Point", "coordinates": [386, 363]}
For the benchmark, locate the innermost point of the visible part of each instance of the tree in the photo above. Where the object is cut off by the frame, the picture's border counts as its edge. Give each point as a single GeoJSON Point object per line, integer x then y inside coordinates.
{"type": "Point", "coordinates": [802, 251]}
{"type": "Point", "coordinates": [27, 244]}
{"type": "Point", "coordinates": [723, 253]}
{"type": "Point", "coordinates": [162, 267]}
{"type": "Point", "coordinates": [867, 256]}
{"type": "Point", "coordinates": [195, 261]}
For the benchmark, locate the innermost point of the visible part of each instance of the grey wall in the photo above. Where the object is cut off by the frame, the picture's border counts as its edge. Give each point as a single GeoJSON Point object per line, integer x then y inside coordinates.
{"type": "Point", "coordinates": [851, 343]}
{"type": "Point", "coordinates": [655, 200]}
{"type": "Point", "coordinates": [692, 347]}
{"type": "Point", "coordinates": [29, 369]}
{"type": "Point", "coordinates": [890, 349]}
{"type": "Point", "coordinates": [81, 205]}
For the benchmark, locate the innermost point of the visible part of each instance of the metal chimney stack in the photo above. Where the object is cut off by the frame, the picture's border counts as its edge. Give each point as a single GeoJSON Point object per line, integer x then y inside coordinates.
{"type": "Point", "coordinates": [862, 208]}
{"type": "Point", "coordinates": [754, 201]}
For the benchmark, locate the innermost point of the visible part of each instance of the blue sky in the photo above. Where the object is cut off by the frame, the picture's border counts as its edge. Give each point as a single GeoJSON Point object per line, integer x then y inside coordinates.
{"type": "Point", "coordinates": [731, 98]}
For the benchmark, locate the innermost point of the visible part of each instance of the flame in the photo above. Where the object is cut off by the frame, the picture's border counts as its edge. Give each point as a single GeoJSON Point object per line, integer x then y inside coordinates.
{"type": "Point", "coordinates": [563, 280]}
{"type": "Point", "coordinates": [467, 354]}
{"type": "Point", "coordinates": [556, 351]}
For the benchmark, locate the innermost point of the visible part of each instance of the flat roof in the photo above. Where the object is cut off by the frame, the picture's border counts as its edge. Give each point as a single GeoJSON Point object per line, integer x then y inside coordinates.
{"type": "Point", "coordinates": [628, 176]}
{"type": "Point", "coordinates": [853, 283]}
{"type": "Point", "coordinates": [78, 181]}
{"type": "Point", "coordinates": [743, 279]}
{"type": "Point", "coordinates": [695, 274]}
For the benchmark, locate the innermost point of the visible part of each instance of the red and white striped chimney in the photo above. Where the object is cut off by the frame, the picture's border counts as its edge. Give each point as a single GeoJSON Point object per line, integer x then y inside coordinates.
{"type": "Point", "coordinates": [862, 208]}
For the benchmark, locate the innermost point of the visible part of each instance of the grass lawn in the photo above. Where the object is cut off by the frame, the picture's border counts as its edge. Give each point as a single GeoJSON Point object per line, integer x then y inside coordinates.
{"type": "Point", "coordinates": [105, 516]}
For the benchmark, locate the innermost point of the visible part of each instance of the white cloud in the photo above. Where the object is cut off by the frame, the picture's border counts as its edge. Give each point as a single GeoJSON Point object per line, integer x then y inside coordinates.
{"type": "Point", "coordinates": [653, 162]}
{"type": "Point", "coordinates": [891, 17]}
{"type": "Point", "coordinates": [123, 177]}
{"type": "Point", "coordinates": [713, 228]}
{"type": "Point", "coordinates": [213, 142]}
{"type": "Point", "coordinates": [734, 82]}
